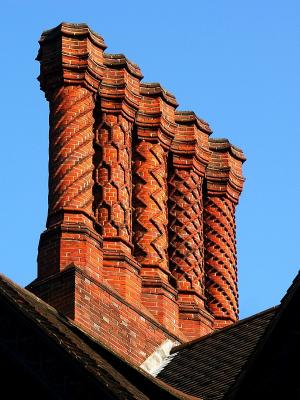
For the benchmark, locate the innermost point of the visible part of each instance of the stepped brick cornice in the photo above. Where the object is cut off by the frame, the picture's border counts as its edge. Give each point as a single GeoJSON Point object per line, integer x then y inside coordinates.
{"type": "Point", "coordinates": [224, 171]}
{"type": "Point", "coordinates": [120, 87]}
{"type": "Point", "coordinates": [156, 115]}
{"type": "Point", "coordinates": [70, 54]}
{"type": "Point", "coordinates": [190, 146]}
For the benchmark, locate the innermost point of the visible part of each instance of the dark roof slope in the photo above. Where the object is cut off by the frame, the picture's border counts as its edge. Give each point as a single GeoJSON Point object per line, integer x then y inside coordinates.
{"type": "Point", "coordinates": [208, 366]}
{"type": "Point", "coordinates": [271, 372]}
{"type": "Point", "coordinates": [113, 375]}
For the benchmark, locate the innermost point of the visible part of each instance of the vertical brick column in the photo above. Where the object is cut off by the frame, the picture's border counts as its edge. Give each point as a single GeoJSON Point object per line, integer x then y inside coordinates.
{"type": "Point", "coordinates": [70, 149]}
{"type": "Point", "coordinates": [71, 68]}
{"type": "Point", "coordinates": [155, 131]}
{"type": "Point", "coordinates": [116, 110]}
{"type": "Point", "coordinates": [224, 185]}
{"type": "Point", "coordinates": [190, 155]}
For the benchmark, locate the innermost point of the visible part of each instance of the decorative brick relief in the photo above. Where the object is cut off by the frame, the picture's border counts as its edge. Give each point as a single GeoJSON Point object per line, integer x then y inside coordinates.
{"type": "Point", "coordinates": [186, 248]}
{"type": "Point", "coordinates": [224, 183]}
{"type": "Point", "coordinates": [113, 177]}
{"type": "Point", "coordinates": [221, 279]}
{"type": "Point", "coordinates": [71, 149]}
{"type": "Point", "coordinates": [150, 204]}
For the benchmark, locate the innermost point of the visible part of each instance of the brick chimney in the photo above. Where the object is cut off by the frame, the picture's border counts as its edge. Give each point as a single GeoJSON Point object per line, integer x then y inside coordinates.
{"type": "Point", "coordinates": [188, 160]}
{"type": "Point", "coordinates": [116, 107]}
{"type": "Point", "coordinates": [70, 57]}
{"type": "Point", "coordinates": [224, 184]}
{"type": "Point", "coordinates": [129, 246]}
{"type": "Point", "coordinates": [155, 130]}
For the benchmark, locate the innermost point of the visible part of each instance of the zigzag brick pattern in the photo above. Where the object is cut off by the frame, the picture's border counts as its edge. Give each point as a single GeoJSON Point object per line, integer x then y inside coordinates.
{"type": "Point", "coordinates": [71, 149]}
{"type": "Point", "coordinates": [186, 230]}
{"type": "Point", "coordinates": [150, 197]}
{"type": "Point", "coordinates": [220, 258]}
{"type": "Point", "coordinates": [112, 201]}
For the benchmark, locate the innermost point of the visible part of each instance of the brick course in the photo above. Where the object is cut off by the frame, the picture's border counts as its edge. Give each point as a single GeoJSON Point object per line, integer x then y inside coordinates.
{"type": "Point", "coordinates": [140, 238]}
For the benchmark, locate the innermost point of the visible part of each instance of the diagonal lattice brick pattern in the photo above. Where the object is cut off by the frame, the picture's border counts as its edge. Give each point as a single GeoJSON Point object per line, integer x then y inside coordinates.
{"type": "Point", "coordinates": [220, 258]}
{"type": "Point", "coordinates": [186, 229]}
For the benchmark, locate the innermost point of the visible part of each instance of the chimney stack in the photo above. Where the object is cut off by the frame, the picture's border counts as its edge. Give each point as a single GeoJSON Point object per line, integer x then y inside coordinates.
{"type": "Point", "coordinates": [139, 246]}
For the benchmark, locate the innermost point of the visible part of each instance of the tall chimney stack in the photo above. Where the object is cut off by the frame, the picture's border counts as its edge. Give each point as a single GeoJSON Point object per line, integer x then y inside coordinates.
{"type": "Point", "coordinates": [139, 247]}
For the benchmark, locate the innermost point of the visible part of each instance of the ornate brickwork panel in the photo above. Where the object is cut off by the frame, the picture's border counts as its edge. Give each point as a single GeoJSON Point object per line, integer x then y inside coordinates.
{"type": "Point", "coordinates": [150, 197]}
{"type": "Point", "coordinates": [71, 149]}
{"type": "Point", "coordinates": [220, 258]}
{"type": "Point", "coordinates": [186, 249]}
{"type": "Point", "coordinates": [112, 201]}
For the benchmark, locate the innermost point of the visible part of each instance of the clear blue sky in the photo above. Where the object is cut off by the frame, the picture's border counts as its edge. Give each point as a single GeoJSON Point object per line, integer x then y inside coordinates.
{"type": "Point", "coordinates": [235, 63]}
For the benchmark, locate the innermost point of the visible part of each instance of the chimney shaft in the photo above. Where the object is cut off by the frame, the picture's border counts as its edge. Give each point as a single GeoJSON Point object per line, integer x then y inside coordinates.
{"type": "Point", "coordinates": [224, 182]}
{"type": "Point", "coordinates": [187, 163]}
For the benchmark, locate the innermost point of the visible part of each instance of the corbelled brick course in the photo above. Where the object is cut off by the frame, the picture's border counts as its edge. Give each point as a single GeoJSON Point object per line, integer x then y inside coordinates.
{"type": "Point", "coordinates": [140, 238]}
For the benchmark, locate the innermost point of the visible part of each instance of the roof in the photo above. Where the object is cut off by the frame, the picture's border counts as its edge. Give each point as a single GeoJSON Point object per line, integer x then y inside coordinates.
{"type": "Point", "coordinates": [116, 378]}
{"type": "Point", "coordinates": [271, 372]}
{"type": "Point", "coordinates": [210, 365]}
{"type": "Point", "coordinates": [253, 358]}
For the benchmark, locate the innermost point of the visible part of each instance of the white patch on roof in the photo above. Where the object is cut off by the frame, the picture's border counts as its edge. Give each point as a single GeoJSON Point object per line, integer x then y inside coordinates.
{"type": "Point", "coordinates": [161, 357]}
